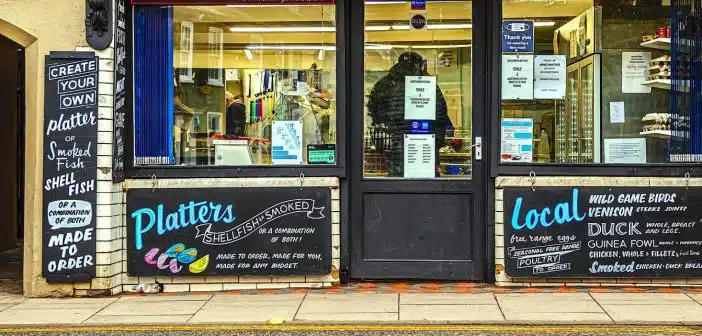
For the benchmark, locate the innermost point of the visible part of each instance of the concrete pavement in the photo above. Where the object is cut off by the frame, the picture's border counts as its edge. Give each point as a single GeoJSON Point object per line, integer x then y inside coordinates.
{"type": "Point", "coordinates": [311, 307]}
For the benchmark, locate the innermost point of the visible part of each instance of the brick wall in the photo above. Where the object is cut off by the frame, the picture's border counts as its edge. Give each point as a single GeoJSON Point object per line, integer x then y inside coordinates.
{"type": "Point", "coordinates": [223, 283]}
{"type": "Point", "coordinates": [555, 181]}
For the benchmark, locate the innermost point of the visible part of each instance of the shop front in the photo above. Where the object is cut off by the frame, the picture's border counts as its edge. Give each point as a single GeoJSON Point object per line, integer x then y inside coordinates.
{"type": "Point", "coordinates": [244, 144]}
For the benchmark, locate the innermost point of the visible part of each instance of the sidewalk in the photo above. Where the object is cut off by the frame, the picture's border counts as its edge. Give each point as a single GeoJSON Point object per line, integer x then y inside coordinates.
{"type": "Point", "coordinates": [321, 307]}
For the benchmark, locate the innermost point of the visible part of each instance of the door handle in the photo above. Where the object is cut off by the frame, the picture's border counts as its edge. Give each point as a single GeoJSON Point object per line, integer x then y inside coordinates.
{"type": "Point", "coordinates": [478, 148]}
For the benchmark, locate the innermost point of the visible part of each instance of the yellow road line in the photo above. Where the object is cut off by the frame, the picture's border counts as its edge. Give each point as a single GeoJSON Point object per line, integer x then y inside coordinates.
{"type": "Point", "coordinates": [350, 327]}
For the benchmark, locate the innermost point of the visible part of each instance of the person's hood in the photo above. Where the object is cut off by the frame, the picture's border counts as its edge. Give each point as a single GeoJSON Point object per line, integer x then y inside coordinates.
{"type": "Point", "coordinates": [402, 69]}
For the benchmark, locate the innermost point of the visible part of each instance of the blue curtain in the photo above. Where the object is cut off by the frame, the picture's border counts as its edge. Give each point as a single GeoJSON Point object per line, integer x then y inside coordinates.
{"type": "Point", "coordinates": [153, 85]}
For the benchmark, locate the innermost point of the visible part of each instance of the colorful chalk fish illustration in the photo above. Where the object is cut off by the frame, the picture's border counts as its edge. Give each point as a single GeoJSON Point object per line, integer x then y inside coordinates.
{"type": "Point", "coordinates": [180, 255]}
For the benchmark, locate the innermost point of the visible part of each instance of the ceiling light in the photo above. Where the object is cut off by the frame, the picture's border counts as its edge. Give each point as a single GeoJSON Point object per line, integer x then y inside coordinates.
{"type": "Point", "coordinates": [400, 27]}
{"type": "Point", "coordinates": [248, 54]}
{"type": "Point", "coordinates": [441, 46]}
{"type": "Point", "coordinates": [290, 47]}
{"type": "Point", "coordinates": [544, 24]}
{"type": "Point", "coordinates": [320, 55]}
{"type": "Point", "coordinates": [281, 29]}
{"type": "Point", "coordinates": [385, 2]}
{"type": "Point", "coordinates": [377, 28]}
{"type": "Point", "coordinates": [450, 26]}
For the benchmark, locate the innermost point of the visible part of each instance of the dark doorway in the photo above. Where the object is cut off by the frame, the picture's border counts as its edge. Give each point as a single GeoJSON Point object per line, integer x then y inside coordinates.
{"type": "Point", "coordinates": [417, 173]}
{"type": "Point", "coordinates": [12, 169]}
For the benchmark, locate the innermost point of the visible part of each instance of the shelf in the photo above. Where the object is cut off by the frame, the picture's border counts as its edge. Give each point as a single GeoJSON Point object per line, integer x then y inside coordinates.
{"type": "Point", "coordinates": [661, 43]}
{"type": "Point", "coordinates": [660, 134]}
{"type": "Point", "coordinates": [456, 154]}
{"type": "Point", "coordinates": [664, 84]}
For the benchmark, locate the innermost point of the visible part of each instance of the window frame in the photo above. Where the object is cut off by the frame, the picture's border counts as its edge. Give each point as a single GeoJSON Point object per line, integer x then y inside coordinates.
{"type": "Point", "coordinates": [494, 99]}
{"type": "Point", "coordinates": [215, 50]}
{"type": "Point", "coordinates": [338, 169]}
{"type": "Point", "coordinates": [188, 76]}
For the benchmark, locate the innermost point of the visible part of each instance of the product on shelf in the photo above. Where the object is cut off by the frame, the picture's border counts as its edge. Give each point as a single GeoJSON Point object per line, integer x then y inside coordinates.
{"type": "Point", "coordinates": [664, 122]}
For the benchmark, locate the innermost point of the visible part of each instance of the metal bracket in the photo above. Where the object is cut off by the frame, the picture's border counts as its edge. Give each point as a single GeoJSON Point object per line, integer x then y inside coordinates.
{"type": "Point", "coordinates": [154, 182]}
{"type": "Point", "coordinates": [687, 180]}
{"type": "Point", "coordinates": [532, 179]}
{"type": "Point", "coordinates": [301, 179]}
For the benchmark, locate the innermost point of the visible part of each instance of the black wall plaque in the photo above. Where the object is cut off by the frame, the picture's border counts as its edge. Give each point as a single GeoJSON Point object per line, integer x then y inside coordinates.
{"type": "Point", "coordinates": [121, 103]}
{"type": "Point", "coordinates": [603, 232]}
{"type": "Point", "coordinates": [70, 166]}
{"type": "Point", "coordinates": [98, 23]}
{"type": "Point", "coordinates": [229, 231]}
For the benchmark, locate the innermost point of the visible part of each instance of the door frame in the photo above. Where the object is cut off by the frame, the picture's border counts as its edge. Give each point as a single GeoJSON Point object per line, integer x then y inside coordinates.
{"type": "Point", "coordinates": [480, 186]}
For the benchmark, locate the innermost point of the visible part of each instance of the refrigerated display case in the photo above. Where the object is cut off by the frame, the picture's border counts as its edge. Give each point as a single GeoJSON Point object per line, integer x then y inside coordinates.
{"type": "Point", "coordinates": [578, 120]}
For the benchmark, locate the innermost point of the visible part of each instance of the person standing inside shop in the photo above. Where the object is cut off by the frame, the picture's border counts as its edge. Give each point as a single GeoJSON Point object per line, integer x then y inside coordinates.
{"type": "Point", "coordinates": [236, 116]}
{"type": "Point", "coordinates": [386, 105]}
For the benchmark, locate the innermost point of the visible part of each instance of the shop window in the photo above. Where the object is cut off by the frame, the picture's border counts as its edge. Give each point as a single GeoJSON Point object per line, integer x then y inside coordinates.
{"type": "Point", "coordinates": [607, 83]}
{"type": "Point", "coordinates": [418, 89]}
{"type": "Point", "coordinates": [235, 85]}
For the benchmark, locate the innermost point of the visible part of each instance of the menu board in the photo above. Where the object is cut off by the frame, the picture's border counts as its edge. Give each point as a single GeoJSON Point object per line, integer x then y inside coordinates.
{"type": "Point", "coordinates": [599, 232]}
{"type": "Point", "coordinates": [229, 231]}
{"type": "Point", "coordinates": [70, 166]}
{"type": "Point", "coordinates": [121, 102]}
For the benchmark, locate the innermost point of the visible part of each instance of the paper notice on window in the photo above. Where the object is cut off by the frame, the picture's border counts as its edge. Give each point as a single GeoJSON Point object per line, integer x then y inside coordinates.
{"type": "Point", "coordinates": [549, 76]}
{"type": "Point", "coordinates": [616, 113]}
{"type": "Point", "coordinates": [419, 158]}
{"type": "Point", "coordinates": [518, 77]}
{"type": "Point", "coordinates": [286, 142]}
{"type": "Point", "coordinates": [420, 98]}
{"type": "Point", "coordinates": [517, 140]}
{"type": "Point", "coordinates": [630, 150]}
{"type": "Point", "coordinates": [635, 71]}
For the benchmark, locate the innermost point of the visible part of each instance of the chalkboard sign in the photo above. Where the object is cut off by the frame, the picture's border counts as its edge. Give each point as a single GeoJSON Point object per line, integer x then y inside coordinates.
{"type": "Point", "coordinates": [229, 231]}
{"type": "Point", "coordinates": [70, 166]}
{"type": "Point", "coordinates": [121, 103]}
{"type": "Point", "coordinates": [603, 232]}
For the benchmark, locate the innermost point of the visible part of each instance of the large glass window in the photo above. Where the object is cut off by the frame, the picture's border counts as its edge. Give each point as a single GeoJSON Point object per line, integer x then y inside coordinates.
{"type": "Point", "coordinates": [606, 83]}
{"type": "Point", "coordinates": [418, 90]}
{"type": "Point", "coordinates": [235, 85]}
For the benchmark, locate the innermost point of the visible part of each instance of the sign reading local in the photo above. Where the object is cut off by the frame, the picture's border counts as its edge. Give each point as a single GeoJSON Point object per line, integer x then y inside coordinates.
{"type": "Point", "coordinates": [70, 166]}
{"type": "Point", "coordinates": [620, 232]}
{"type": "Point", "coordinates": [518, 36]}
{"type": "Point", "coordinates": [229, 231]}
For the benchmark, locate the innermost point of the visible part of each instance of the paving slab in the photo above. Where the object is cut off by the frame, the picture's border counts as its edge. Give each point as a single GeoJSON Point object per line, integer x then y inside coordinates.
{"type": "Point", "coordinates": [347, 317]}
{"type": "Point", "coordinates": [642, 298]}
{"type": "Point", "coordinates": [342, 303]}
{"type": "Point", "coordinates": [696, 297]}
{"type": "Point", "coordinates": [258, 298]}
{"type": "Point", "coordinates": [244, 314]}
{"type": "Point", "coordinates": [45, 316]}
{"type": "Point", "coordinates": [446, 299]}
{"type": "Point", "coordinates": [138, 319]}
{"type": "Point", "coordinates": [652, 313]}
{"type": "Point", "coordinates": [11, 299]}
{"type": "Point", "coordinates": [560, 317]}
{"type": "Point", "coordinates": [548, 303]}
{"type": "Point", "coordinates": [153, 308]}
{"type": "Point", "coordinates": [454, 313]}
{"type": "Point", "coordinates": [156, 298]}
{"type": "Point", "coordinates": [234, 304]}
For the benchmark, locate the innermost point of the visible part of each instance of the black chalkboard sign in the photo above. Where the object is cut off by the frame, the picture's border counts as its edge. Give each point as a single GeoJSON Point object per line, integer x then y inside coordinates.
{"type": "Point", "coordinates": [121, 103]}
{"type": "Point", "coordinates": [229, 231]}
{"type": "Point", "coordinates": [603, 232]}
{"type": "Point", "coordinates": [70, 166]}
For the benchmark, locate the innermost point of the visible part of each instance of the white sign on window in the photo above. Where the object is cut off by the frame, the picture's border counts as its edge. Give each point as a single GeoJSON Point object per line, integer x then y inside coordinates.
{"type": "Point", "coordinates": [517, 143]}
{"type": "Point", "coordinates": [286, 142]}
{"type": "Point", "coordinates": [518, 77]}
{"type": "Point", "coordinates": [549, 76]}
{"type": "Point", "coordinates": [419, 158]}
{"type": "Point", "coordinates": [628, 150]}
{"type": "Point", "coordinates": [420, 98]}
{"type": "Point", "coordinates": [635, 71]}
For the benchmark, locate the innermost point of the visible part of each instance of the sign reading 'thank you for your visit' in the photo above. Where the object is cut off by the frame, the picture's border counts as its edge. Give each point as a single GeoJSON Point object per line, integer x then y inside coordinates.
{"type": "Point", "coordinates": [229, 231]}
{"type": "Point", "coordinates": [600, 232]}
{"type": "Point", "coordinates": [70, 166]}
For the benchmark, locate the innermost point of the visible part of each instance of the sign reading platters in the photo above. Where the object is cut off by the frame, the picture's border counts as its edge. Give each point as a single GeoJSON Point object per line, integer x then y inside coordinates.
{"type": "Point", "coordinates": [229, 231]}
{"type": "Point", "coordinates": [70, 166]}
{"type": "Point", "coordinates": [603, 232]}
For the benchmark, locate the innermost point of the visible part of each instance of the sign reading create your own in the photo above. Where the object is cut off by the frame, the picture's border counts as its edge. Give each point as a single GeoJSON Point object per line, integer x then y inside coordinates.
{"type": "Point", "coordinates": [70, 166]}
{"type": "Point", "coordinates": [229, 231]}
{"type": "Point", "coordinates": [603, 232]}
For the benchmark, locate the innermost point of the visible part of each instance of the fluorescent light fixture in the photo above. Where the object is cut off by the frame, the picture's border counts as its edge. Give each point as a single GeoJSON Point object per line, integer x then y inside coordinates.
{"type": "Point", "coordinates": [441, 46]}
{"type": "Point", "coordinates": [385, 2]}
{"type": "Point", "coordinates": [378, 47]}
{"type": "Point", "coordinates": [544, 23]}
{"type": "Point", "coordinates": [320, 55]}
{"type": "Point", "coordinates": [248, 54]}
{"type": "Point", "coordinates": [400, 27]}
{"type": "Point", "coordinates": [377, 28]}
{"type": "Point", "coordinates": [290, 47]}
{"type": "Point", "coordinates": [450, 26]}
{"type": "Point", "coordinates": [281, 29]}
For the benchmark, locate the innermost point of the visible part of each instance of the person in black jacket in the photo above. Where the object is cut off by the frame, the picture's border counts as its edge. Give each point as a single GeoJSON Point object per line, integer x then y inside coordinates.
{"type": "Point", "coordinates": [386, 105]}
{"type": "Point", "coordinates": [236, 117]}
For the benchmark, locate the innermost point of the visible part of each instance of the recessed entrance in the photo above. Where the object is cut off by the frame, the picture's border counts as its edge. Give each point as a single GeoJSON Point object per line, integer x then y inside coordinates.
{"type": "Point", "coordinates": [12, 168]}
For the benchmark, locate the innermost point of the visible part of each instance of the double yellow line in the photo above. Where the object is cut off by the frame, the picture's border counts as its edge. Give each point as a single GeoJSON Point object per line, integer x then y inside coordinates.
{"type": "Point", "coordinates": [363, 327]}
